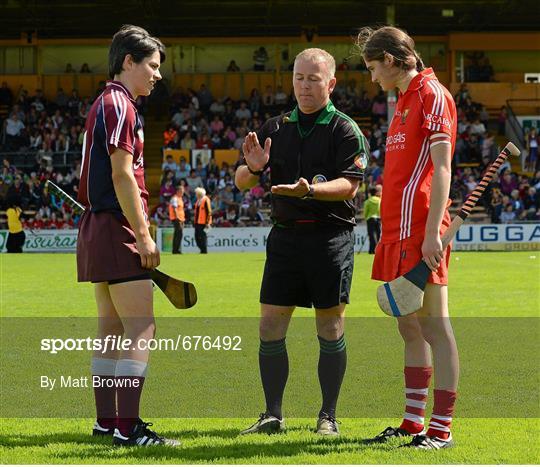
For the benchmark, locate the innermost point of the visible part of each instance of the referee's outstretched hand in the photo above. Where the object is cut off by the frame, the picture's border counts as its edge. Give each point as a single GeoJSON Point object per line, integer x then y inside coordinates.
{"type": "Point", "coordinates": [296, 190]}
{"type": "Point", "coordinates": [149, 252]}
{"type": "Point", "coordinates": [256, 157]}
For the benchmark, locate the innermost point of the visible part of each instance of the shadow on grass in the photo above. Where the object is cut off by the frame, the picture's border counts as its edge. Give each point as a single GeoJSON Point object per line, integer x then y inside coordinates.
{"type": "Point", "coordinates": [236, 447]}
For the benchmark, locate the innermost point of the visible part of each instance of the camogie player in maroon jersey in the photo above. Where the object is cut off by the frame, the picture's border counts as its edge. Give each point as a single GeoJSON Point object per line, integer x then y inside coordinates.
{"type": "Point", "coordinates": [114, 249]}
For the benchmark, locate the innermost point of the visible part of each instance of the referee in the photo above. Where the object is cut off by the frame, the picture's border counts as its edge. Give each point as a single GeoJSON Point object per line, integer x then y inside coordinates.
{"type": "Point", "coordinates": [317, 157]}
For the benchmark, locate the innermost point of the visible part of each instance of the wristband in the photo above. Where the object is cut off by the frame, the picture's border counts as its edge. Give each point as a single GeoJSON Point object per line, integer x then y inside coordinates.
{"type": "Point", "coordinates": [310, 194]}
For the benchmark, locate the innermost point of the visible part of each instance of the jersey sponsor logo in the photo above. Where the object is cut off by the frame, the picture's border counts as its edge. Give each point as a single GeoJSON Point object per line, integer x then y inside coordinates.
{"type": "Point", "coordinates": [319, 179]}
{"type": "Point", "coordinates": [438, 120]}
{"type": "Point", "coordinates": [394, 139]}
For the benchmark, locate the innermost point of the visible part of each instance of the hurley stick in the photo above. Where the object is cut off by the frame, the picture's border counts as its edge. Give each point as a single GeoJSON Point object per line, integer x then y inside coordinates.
{"type": "Point", "coordinates": [405, 294]}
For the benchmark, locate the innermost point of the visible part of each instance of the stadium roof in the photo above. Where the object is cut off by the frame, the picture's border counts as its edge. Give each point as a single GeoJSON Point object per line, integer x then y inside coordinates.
{"type": "Point", "coordinates": [237, 18]}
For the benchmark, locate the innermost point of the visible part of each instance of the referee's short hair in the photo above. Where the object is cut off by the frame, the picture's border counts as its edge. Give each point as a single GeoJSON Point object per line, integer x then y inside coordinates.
{"type": "Point", "coordinates": [318, 55]}
{"type": "Point", "coordinates": [134, 41]}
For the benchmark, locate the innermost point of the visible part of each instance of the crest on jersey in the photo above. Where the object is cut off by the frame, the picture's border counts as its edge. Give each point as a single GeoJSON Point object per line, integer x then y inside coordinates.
{"type": "Point", "coordinates": [318, 179]}
{"type": "Point", "coordinates": [361, 161]}
{"type": "Point", "coordinates": [404, 116]}
{"type": "Point", "coordinates": [140, 134]}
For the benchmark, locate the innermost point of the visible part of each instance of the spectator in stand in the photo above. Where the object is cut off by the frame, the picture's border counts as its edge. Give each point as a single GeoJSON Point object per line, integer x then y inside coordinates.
{"type": "Point", "coordinates": [241, 134]}
{"type": "Point", "coordinates": [201, 171]}
{"type": "Point", "coordinates": [226, 197]}
{"type": "Point", "coordinates": [484, 116]}
{"type": "Point", "coordinates": [69, 68]}
{"type": "Point", "coordinates": [260, 57]}
{"type": "Point", "coordinates": [13, 128]}
{"type": "Point", "coordinates": [501, 120]}
{"type": "Point", "coordinates": [243, 112]}
{"type": "Point", "coordinates": [364, 105]}
{"type": "Point", "coordinates": [532, 140]}
{"type": "Point", "coordinates": [204, 142]}
{"type": "Point", "coordinates": [194, 181]}
{"type": "Point", "coordinates": [496, 205]}
{"type": "Point", "coordinates": [477, 127]}
{"type": "Point", "coordinates": [531, 204]}
{"type": "Point", "coordinates": [508, 215]}
{"type": "Point", "coordinates": [167, 189]}
{"type": "Point", "coordinates": [217, 108]}
{"type": "Point", "coordinates": [378, 108]}
{"type": "Point", "coordinates": [489, 147]}
{"type": "Point", "coordinates": [183, 169]}
{"type": "Point", "coordinates": [6, 96]}
{"type": "Point", "coordinates": [516, 202]}
{"type": "Point", "coordinates": [230, 136]}
{"type": "Point", "coordinates": [159, 214]}
{"type": "Point", "coordinates": [216, 125]}
{"type": "Point", "coordinates": [169, 134]}
{"type": "Point", "coordinates": [205, 98]}
{"type": "Point", "coordinates": [508, 183]}
{"type": "Point", "coordinates": [169, 164]}
{"type": "Point", "coordinates": [268, 97]}
{"type": "Point", "coordinates": [211, 184]}
{"type": "Point", "coordinates": [254, 100]}
{"type": "Point", "coordinates": [187, 142]}
{"type": "Point", "coordinates": [281, 98]}
{"type": "Point", "coordinates": [85, 68]}
{"type": "Point", "coordinates": [193, 99]}
{"type": "Point", "coordinates": [74, 102]}
{"type": "Point", "coordinates": [462, 95]}
{"type": "Point", "coordinates": [233, 67]}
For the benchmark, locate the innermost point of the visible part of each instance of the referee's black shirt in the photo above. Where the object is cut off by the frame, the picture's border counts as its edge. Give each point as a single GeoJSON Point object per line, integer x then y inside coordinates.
{"type": "Point", "coordinates": [332, 148]}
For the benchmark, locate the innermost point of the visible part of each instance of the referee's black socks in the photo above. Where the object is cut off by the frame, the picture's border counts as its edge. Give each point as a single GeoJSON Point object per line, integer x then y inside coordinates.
{"type": "Point", "coordinates": [332, 364]}
{"type": "Point", "coordinates": [274, 366]}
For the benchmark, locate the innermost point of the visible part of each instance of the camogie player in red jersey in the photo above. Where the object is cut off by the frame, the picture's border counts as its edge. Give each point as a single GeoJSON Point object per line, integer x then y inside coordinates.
{"type": "Point", "coordinates": [414, 213]}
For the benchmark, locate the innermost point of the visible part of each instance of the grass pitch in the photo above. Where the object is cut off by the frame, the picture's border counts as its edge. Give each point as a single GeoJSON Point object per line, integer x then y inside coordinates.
{"type": "Point", "coordinates": [501, 285]}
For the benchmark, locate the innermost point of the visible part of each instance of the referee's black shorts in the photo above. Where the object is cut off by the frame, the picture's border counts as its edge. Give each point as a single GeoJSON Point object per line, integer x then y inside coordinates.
{"type": "Point", "coordinates": [308, 265]}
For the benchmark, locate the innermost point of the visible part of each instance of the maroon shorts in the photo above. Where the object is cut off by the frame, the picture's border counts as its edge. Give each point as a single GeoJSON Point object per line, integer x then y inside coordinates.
{"type": "Point", "coordinates": [106, 248]}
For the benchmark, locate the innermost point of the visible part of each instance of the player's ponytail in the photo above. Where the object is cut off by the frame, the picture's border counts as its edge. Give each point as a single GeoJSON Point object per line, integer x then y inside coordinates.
{"type": "Point", "coordinates": [374, 44]}
{"type": "Point", "coordinates": [419, 62]}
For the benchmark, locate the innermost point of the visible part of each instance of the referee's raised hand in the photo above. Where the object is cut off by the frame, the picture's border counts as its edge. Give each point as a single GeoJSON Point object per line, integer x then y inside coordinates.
{"type": "Point", "coordinates": [256, 157]}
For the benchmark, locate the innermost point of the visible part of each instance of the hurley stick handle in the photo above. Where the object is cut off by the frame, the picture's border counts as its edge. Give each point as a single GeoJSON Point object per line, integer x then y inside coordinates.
{"type": "Point", "coordinates": [509, 150]}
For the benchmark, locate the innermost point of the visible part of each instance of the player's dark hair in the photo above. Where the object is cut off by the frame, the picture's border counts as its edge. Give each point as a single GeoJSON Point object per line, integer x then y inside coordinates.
{"type": "Point", "coordinates": [134, 41]}
{"type": "Point", "coordinates": [374, 43]}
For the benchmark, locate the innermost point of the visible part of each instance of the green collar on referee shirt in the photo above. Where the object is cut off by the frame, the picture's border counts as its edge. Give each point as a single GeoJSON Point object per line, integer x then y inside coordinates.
{"type": "Point", "coordinates": [323, 119]}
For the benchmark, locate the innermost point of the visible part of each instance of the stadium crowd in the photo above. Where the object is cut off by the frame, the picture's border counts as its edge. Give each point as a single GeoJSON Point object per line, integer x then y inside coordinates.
{"type": "Point", "coordinates": [51, 132]}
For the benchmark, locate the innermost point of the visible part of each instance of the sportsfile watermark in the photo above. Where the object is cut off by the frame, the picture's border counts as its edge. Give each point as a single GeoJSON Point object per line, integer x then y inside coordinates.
{"type": "Point", "coordinates": [114, 343]}
{"type": "Point", "coordinates": [196, 369]}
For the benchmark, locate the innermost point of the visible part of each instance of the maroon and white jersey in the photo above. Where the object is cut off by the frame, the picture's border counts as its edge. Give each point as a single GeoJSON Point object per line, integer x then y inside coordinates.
{"type": "Point", "coordinates": [113, 122]}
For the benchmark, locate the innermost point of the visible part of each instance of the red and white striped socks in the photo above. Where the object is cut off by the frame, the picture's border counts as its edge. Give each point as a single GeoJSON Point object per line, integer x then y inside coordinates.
{"type": "Point", "coordinates": [443, 410]}
{"type": "Point", "coordinates": [416, 391]}
{"type": "Point", "coordinates": [417, 381]}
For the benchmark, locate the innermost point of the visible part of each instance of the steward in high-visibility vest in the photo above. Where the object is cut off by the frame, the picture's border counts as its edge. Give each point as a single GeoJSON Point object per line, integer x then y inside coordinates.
{"type": "Point", "coordinates": [202, 219]}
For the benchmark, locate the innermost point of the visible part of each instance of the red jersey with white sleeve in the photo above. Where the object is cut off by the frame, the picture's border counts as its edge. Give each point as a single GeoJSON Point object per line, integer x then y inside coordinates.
{"type": "Point", "coordinates": [113, 122]}
{"type": "Point", "coordinates": [425, 116]}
